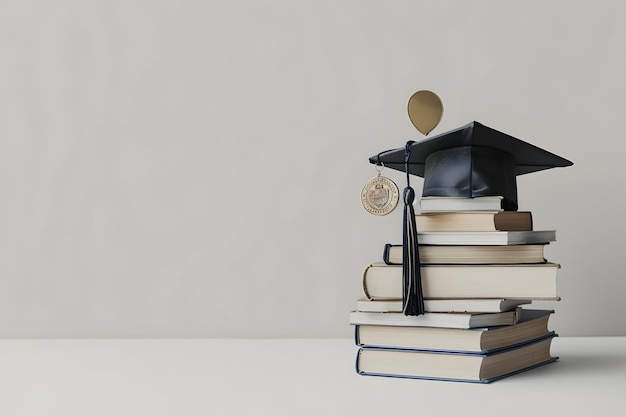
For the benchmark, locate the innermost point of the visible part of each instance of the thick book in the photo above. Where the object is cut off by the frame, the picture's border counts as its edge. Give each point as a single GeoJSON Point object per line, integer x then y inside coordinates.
{"type": "Point", "coordinates": [487, 238]}
{"type": "Point", "coordinates": [516, 281]}
{"type": "Point", "coordinates": [532, 324]}
{"type": "Point", "coordinates": [447, 320]}
{"type": "Point", "coordinates": [468, 305]}
{"type": "Point", "coordinates": [474, 221]}
{"type": "Point", "coordinates": [470, 254]}
{"type": "Point", "coordinates": [447, 204]}
{"type": "Point", "coordinates": [454, 366]}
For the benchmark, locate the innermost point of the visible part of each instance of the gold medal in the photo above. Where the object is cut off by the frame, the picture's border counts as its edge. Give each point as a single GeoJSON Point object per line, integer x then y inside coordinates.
{"type": "Point", "coordinates": [380, 196]}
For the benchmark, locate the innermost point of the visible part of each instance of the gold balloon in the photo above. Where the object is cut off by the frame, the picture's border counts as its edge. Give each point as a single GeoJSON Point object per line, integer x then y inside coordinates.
{"type": "Point", "coordinates": [425, 110]}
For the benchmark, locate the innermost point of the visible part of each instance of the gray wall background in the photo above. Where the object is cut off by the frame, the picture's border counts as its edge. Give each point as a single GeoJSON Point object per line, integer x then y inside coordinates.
{"type": "Point", "coordinates": [193, 168]}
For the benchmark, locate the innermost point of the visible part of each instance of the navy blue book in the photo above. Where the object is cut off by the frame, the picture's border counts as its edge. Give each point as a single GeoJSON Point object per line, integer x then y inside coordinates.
{"type": "Point", "coordinates": [455, 366]}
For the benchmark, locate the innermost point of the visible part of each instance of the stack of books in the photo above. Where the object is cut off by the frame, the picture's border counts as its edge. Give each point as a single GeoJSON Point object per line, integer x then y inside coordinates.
{"type": "Point", "coordinates": [481, 268]}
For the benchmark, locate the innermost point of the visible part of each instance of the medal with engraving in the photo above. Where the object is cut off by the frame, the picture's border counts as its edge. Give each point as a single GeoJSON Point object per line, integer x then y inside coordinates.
{"type": "Point", "coordinates": [380, 195]}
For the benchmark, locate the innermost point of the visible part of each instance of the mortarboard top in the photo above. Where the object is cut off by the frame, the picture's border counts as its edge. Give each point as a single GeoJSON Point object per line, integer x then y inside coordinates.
{"type": "Point", "coordinates": [471, 161]}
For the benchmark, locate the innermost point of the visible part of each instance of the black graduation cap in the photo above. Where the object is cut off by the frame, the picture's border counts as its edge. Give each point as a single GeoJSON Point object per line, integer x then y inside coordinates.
{"type": "Point", "coordinates": [471, 161]}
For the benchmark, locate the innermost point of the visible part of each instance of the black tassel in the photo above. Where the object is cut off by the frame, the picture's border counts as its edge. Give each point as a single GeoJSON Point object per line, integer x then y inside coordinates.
{"type": "Point", "coordinates": [412, 298]}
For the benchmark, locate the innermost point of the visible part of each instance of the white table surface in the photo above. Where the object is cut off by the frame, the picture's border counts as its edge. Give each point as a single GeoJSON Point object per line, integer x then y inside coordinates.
{"type": "Point", "coordinates": [286, 377]}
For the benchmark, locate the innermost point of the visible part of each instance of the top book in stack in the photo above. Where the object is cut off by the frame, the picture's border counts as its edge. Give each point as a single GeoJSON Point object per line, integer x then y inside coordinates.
{"type": "Point", "coordinates": [474, 221]}
{"type": "Point", "coordinates": [455, 204]}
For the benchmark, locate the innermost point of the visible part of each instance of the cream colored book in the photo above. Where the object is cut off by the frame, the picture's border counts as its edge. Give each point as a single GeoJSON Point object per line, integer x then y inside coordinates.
{"type": "Point", "coordinates": [474, 221]}
{"type": "Point", "coordinates": [448, 320]}
{"type": "Point", "coordinates": [448, 204]}
{"type": "Point", "coordinates": [470, 254]}
{"type": "Point", "coordinates": [454, 366]}
{"type": "Point", "coordinates": [532, 324]}
{"type": "Point", "coordinates": [516, 281]}
{"type": "Point", "coordinates": [487, 238]}
{"type": "Point", "coordinates": [474, 305]}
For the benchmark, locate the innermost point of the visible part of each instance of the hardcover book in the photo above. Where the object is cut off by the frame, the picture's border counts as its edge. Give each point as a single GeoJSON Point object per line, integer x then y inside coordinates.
{"type": "Point", "coordinates": [465, 305]}
{"type": "Point", "coordinates": [517, 281]}
{"type": "Point", "coordinates": [454, 366]}
{"type": "Point", "coordinates": [487, 238]}
{"type": "Point", "coordinates": [449, 320]}
{"type": "Point", "coordinates": [469, 254]}
{"type": "Point", "coordinates": [449, 204]}
{"type": "Point", "coordinates": [532, 324]}
{"type": "Point", "coordinates": [474, 221]}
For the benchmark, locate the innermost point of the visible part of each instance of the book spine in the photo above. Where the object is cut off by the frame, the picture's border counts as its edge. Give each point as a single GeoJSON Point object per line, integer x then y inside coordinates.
{"type": "Point", "coordinates": [364, 281]}
{"type": "Point", "coordinates": [357, 340]}
{"type": "Point", "coordinates": [386, 252]}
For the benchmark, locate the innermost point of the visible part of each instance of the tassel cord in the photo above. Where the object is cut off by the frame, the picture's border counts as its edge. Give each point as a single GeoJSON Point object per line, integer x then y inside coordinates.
{"type": "Point", "coordinates": [412, 299]}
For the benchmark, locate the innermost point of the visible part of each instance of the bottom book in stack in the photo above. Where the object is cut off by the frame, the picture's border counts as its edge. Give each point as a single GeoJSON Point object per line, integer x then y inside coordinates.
{"type": "Point", "coordinates": [401, 349]}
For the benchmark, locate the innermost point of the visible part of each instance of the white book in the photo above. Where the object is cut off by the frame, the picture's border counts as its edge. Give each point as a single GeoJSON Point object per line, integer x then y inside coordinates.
{"type": "Point", "coordinates": [470, 254]}
{"type": "Point", "coordinates": [443, 306]}
{"type": "Point", "coordinates": [487, 238]}
{"type": "Point", "coordinates": [435, 204]}
{"type": "Point", "coordinates": [447, 320]}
